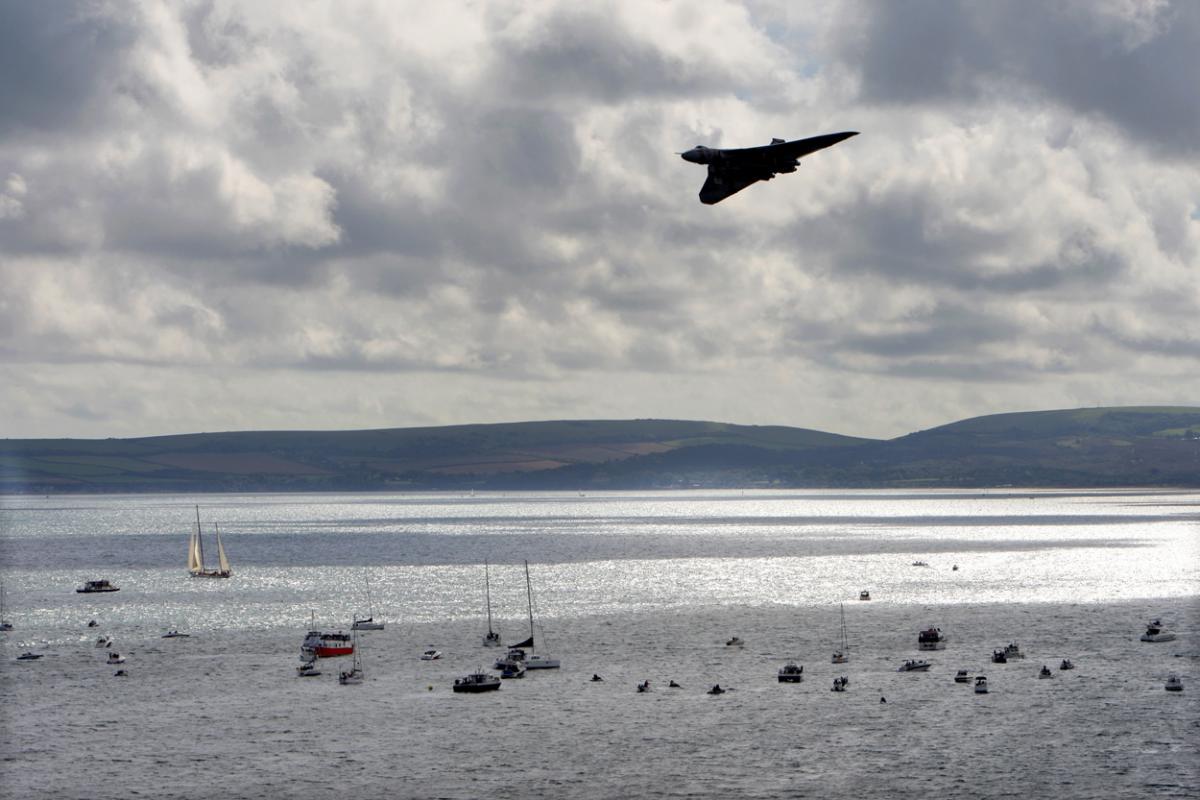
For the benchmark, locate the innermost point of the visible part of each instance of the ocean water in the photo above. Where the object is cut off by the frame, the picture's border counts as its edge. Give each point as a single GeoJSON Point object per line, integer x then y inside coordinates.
{"type": "Point", "coordinates": [633, 587]}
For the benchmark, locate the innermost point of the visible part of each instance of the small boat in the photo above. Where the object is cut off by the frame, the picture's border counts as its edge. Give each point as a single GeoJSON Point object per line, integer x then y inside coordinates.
{"type": "Point", "coordinates": [513, 669]}
{"type": "Point", "coordinates": [195, 559]}
{"type": "Point", "coordinates": [92, 587]}
{"type": "Point", "coordinates": [368, 623]}
{"type": "Point", "coordinates": [920, 564]}
{"type": "Point", "coordinates": [93, 624]}
{"type": "Point", "coordinates": [475, 683]}
{"type": "Point", "coordinates": [513, 656]}
{"type": "Point", "coordinates": [115, 658]}
{"type": "Point", "coordinates": [1066, 664]}
{"type": "Point", "coordinates": [931, 639]}
{"type": "Point", "coordinates": [839, 684]}
{"type": "Point", "coordinates": [962, 676]}
{"type": "Point", "coordinates": [596, 678]}
{"type": "Point", "coordinates": [914, 666]}
{"type": "Point", "coordinates": [174, 634]}
{"type": "Point", "coordinates": [791, 672]}
{"type": "Point", "coordinates": [1011, 650]}
{"type": "Point", "coordinates": [104, 641]}
{"type": "Point", "coordinates": [999, 657]}
{"type": "Point", "coordinates": [326, 644]}
{"type": "Point", "coordinates": [1045, 672]}
{"type": "Point", "coordinates": [29, 656]}
{"type": "Point", "coordinates": [644, 686]}
{"type": "Point", "coordinates": [736, 641]}
{"type": "Point", "coordinates": [864, 595]}
{"type": "Point", "coordinates": [491, 638]}
{"type": "Point", "coordinates": [1156, 633]}
{"type": "Point", "coordinates": [308, 670]}
{"type": "Point", "coordinates": [1174, 683]}
{"type": "Point", "coordinates": [673, 685]}
{"type": "Point", "coordinates": [716, 689]}
{"type": "Point", "coordinates": [354, 675]}
{"type": "Point", "coordinates": [431, 655]}
{"type": "Point", "coordinates": [981, 686]}
{"type": "Point", "coordinates": [120, 673]}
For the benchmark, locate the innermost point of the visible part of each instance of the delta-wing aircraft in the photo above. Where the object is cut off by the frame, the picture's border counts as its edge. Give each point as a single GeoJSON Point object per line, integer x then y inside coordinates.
{"type": "Point", "coordinates": [730, 171]}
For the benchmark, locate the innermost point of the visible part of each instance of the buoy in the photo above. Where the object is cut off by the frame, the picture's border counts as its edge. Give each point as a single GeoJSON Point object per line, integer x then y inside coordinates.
{"type": "Point", "coordinates": [430, 687]}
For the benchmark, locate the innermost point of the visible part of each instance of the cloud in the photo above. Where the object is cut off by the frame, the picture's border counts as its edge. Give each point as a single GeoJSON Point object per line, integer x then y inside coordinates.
{"type": "Point", "coordinates": [216, 216]}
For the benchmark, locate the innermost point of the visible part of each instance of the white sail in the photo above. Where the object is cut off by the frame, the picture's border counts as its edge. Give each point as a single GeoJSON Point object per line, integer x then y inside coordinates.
{"type": "Point", "coordinates": [194, 564]}
{"type": "Point", "coordinates": [223, 561]}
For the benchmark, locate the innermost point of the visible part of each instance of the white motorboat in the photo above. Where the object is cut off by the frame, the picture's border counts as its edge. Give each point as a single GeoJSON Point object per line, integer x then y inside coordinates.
{"type": "Point", "coordinates": [512, 670]}
{"type": "Point", "coordinates": [736, 641]}
{"type": "Point", "coordinates": [962, 676]}
{"type": "Point", "coordinates": [104, 641]}
{"type": "Point", "coordinates": [931, 639]}
{"type": "Point", "coordinates": [431, 655]}
{"type": "Point", "coordinates": [515, 655]}
{"type": "Point", "coordinates": [1011, 650]}
{"type": "Point", "coordinates": [1155, 632]}
{"type": "Point", "coordinates": [1174, 683]}
{"type": "Point", "coordinates": [791, 672]}
{"type": "Point", "coordinates": [476, 683]}
{"type": "Point", "coordinates": [1045, 672]}
{"type": "Point", "coordinates": [864, 595]}
{"type": "Point", "coordinates": [115, 658]}
{"type": "Point", "coordinates": [914, 666]}
{"type": "Point", "coordinates": [981, 686]}
{"type": "Point", "coordinates": [539, 661]}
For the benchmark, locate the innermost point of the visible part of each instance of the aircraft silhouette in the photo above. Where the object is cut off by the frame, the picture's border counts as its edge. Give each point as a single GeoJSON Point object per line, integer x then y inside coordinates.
{"type": "Point", "coordinates": [730, 171]}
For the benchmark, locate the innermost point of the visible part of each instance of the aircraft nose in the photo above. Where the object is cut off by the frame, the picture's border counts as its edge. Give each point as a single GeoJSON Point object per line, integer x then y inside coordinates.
{"type": "Point", "coordinates": [695, 155]}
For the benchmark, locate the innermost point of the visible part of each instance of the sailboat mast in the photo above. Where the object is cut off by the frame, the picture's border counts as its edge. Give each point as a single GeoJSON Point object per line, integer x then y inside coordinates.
{"type": "Point", "coordinates": [487, 593]}
{"type": "Point", "coordinates": [529, 601]}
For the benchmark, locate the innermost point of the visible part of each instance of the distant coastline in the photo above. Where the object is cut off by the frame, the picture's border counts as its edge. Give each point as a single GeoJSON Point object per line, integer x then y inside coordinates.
{"type": "Point", "coordinates": [1116, 447]}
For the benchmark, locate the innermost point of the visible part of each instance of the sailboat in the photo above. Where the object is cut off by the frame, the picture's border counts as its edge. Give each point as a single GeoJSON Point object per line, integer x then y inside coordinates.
{"type": "Point", "coordinates": [5, 625]}
{"type": "Point", "coordinates": [492, 639]}
{"type": "Point", "coordinates": [354, 675]}
{"type": "Point", "coordinates": [196, 566]}
{"type": "Point", "coordinates": [517, 651]}
{"type": "Point", "coordinates": [842, 656]}
{"type": "Point", "coordinates": [368, 624]}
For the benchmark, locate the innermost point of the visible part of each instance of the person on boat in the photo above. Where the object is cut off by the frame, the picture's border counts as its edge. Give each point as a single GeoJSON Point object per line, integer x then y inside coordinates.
{"type": "Point", "coordinates": [596, 677]}
{"type": "Point", "coordinates": [883, 699]}
{"type": "Point", "coordinates": [673, 685]}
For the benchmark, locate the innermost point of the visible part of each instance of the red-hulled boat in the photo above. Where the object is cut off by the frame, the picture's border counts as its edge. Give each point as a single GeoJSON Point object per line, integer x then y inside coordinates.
{"type": "Point", "coordinates": [325, 644]}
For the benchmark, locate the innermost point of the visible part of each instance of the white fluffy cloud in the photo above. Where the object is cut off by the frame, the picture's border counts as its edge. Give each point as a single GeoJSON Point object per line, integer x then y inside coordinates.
{"type": "Point", "coordinates": [218, 215]}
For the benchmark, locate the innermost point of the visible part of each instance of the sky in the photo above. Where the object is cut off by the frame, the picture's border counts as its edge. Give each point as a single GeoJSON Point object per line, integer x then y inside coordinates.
{"type": "Point", "coordinates": [332, 215]}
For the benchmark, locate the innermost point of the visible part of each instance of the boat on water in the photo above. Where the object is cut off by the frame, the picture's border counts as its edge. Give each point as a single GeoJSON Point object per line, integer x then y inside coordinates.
{"type": "Point", "coordinates": [1174, 683]}
{"type": "Point", "coordinates": [326, 644]}
{"type": "Point", "coordinates": [431, 655]}
{"type": "Point", "coordinates": [475, 683]}
{"type": "Point", "coordinates": [644, 686]}
{"type": "Point", "coordinates": [999, 657]}
{"type": "Point", "coordinates": [29, 656]}
{"type": "Point", "coordinates": [1066, 664]}
{"type": "Point", "coordinates": [864, 595]}
{"type": "Point", "coordinates": [104, 641]}
{"type": "Point", "coordinates": [1155, 632]}
{"type": "Point", "coordinates": [931, 639]}
{"type": "Point", "coordinates": [491, 638]}
{"type": "Point", "coordinates": [716, 689]}
{"type": "Point", "coordinates": [93, 587]}
{"type": "Point", "coordinates": [914, 666]}
{"type": "Point", "coordinates": [5, 625]}
{"type": "Point", "coordinates": [308, 670]}
{"type": "Point", "coordinates": [735, 641]}
{"type": "Point", "coordinates": [115, 658]}
{"type": "Point", "coordinates": [840, 684]}
{"type": "Point", "coordinates": [196, 566]}
{"type": "Point", "coordinates": [920, 564]}
{"type": "Point", "coordinates": [962, 676]}
{"type": "Point", "coordinates": [174, 634]}
{"type": "Point", "coordinates": [981, 686]}
{"type": "Point", "coordinates": [1011, 650]}
{"type": "Point", "coordinates": [368, 623]}
{"type": "Point", "coordinates": [791, 672]}
{"type": "Point", "coordinates": [533, 659]}
{"type": "Point", "coordinates": [842, 655]}
{"type": "Point", "coordinates": [512, 670]}
{"type": "Point", "coordinates": [1045, 672]}
{"type": "Point", "coordinates": [354, 675]}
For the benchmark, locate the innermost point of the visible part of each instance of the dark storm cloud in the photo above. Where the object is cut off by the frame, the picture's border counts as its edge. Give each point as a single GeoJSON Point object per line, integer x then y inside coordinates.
{"type": "Point", "coordinates": [53, 59]}
{"type": "Point", "coordinates": [1139, 70]}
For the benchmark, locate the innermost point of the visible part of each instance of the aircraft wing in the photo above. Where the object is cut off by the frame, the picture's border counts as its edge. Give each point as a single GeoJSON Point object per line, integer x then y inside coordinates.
{"type": "Point", "coordinates": [724, 181]}
{"type": "Point", "coordinates": [790, 150]}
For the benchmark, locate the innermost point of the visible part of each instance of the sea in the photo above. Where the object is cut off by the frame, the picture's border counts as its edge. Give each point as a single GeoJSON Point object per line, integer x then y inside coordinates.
{"type": "Point", "coordinates": [627, 586]}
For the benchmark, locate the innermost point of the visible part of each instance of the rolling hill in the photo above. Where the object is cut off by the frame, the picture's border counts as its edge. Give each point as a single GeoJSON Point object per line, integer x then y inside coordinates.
{"type": "Point", "coordinates": [1151, 446]}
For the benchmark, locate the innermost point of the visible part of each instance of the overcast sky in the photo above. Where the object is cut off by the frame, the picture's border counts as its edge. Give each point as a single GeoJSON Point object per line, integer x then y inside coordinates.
{"type": "Point", "coordinates": [236, 215]}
